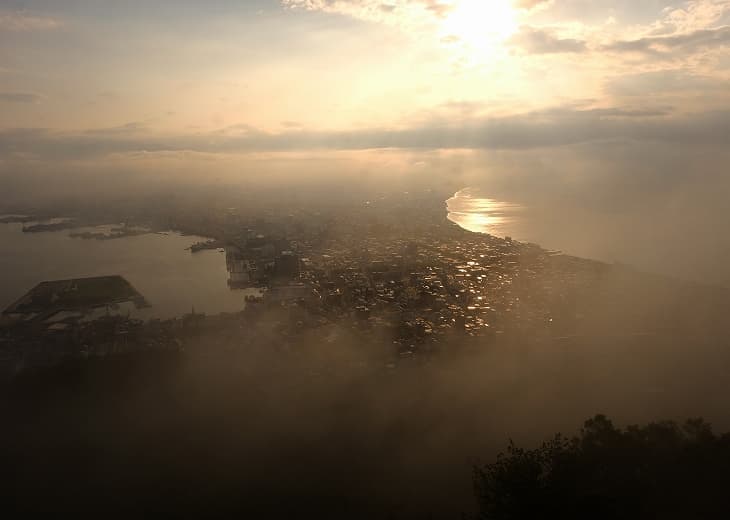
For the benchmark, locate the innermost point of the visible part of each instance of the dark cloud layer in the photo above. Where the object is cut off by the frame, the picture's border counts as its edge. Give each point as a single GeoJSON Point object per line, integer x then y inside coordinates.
{"type": "Point", "coordinates": [542, 129]}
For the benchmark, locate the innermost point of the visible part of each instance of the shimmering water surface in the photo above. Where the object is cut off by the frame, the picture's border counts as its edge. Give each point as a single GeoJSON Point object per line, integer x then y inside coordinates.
{"type": "Point", "coordinates": [171, 279]}
{"type": "Point", "coordinates": [470, 210]}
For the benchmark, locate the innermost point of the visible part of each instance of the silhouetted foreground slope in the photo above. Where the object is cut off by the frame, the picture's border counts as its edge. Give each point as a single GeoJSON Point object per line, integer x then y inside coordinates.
{"type": "Point", "coordinates": [161, 433]}
{"type": "Point", "coordinates": [662, 470]}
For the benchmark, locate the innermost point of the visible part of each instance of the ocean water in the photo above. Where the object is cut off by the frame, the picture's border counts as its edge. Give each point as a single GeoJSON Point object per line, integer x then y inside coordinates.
{"type": "Point", "coordinates": [172, 279]}
{"type": "Point", "coordinates": [689, 244]}
{"type": "Point", "coordinates": [474, 212]}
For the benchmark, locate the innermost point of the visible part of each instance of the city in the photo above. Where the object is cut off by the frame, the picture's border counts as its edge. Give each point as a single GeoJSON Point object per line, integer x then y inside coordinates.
{"type": "Point", "coordinates": [395, 274]}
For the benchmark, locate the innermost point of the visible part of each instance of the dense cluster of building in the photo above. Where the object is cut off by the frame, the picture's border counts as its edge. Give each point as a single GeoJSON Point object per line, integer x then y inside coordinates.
{"type": "Point", "coordinates": [406, 273]}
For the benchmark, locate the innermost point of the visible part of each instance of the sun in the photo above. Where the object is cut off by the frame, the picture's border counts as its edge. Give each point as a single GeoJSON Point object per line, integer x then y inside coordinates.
{"type": "Point", "coordinates": [483, 25]}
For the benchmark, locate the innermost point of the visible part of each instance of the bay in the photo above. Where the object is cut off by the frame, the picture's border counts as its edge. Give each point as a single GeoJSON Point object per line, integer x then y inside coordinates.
{"type": "Point", "coordinates": [172, 279]}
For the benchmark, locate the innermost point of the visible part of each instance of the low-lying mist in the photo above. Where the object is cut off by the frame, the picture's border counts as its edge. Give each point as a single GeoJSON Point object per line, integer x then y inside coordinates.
{"type": "Point", "coordinates": [327, 422]}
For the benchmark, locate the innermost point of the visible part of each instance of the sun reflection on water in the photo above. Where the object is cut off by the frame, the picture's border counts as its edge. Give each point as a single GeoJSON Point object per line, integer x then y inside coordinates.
{"type": "Point", "coordinates": [483, 215]}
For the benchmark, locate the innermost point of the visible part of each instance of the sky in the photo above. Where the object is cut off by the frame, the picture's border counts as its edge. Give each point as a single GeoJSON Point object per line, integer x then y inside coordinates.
{"type": "Point", "coordinates": [619, 105]}
{"type": "Point", "coordinates": [95, 77]}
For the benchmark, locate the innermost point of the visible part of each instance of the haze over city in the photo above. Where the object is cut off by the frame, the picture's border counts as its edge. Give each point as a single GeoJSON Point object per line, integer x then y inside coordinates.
{"type": "Point", "coordinates": [445, 223]}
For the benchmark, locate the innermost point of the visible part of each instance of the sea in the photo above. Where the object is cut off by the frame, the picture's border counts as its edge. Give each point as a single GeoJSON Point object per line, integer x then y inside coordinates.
{"type": "Point", "coordinates": [173, 280]}
{"type": "Point", "coordinates": [687, 245]}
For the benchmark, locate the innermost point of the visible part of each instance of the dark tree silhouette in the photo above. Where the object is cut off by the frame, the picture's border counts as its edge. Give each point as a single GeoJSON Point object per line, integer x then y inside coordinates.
{"type": "Point", "coordinates": [661, 470]}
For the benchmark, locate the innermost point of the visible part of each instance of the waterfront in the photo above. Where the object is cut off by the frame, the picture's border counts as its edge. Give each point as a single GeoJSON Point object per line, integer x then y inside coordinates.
{"type": "Point", "coordinates": [170, 278]}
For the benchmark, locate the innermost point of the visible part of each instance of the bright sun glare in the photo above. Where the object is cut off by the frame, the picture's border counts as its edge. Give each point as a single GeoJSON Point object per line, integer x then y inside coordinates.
{"type": "Point", "coordinates": [481, 24]}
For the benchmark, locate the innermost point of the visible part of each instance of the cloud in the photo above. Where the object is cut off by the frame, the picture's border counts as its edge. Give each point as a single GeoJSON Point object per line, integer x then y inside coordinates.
{"type": "Point", "coordinates": [695, 14]}
{"type": "Point", "coordinates": [696, 29]}
{"type": "Point", "coordinates": [19, 97]}
{"type": "Point", "coordinates": [540, 41]}
{"type": "Point", "coordinates": [403, 13]}
{"type": "Point", "coordinates": [697, 26]}
{"type": "Point", "coordinates": [531, 4]}
{"type": "Point", "coordinates": [20, 21]}
{"type": "Point", "coordinates": [533, 130]}
{"type": "Point", "coordinates": [678, 45]}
